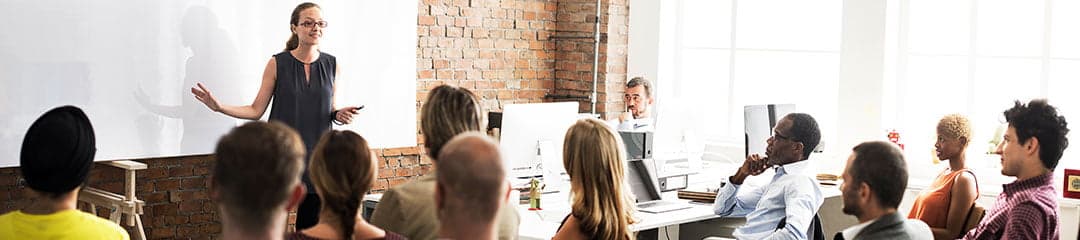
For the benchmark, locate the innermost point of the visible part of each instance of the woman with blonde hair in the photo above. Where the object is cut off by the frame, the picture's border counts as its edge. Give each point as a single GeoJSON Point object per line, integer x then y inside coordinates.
{"type": "Point", "coordinates": [601, 208]}
{"type": "Point", "coordinates": [342, 170]}
{"type": "Point", "coordinates": [945, 204]}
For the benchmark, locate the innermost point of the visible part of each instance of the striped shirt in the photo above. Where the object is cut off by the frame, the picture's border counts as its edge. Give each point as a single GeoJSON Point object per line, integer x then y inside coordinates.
{"type": "Point", "coordinates": [1025, 209]}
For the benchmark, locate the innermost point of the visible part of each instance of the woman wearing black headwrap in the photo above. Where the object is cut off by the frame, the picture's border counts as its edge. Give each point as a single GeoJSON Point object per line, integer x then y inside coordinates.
{"type": "Point", "coordinates": [55, 160]}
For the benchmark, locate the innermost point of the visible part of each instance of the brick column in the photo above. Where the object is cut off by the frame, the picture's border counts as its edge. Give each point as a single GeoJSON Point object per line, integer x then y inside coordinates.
{"type": "Point", "coordinates": [574, 56]}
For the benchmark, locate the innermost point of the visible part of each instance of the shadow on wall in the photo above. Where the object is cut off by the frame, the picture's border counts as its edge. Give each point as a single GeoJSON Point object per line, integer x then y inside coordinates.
{"type": "Point", "coordinates": [213, 62]}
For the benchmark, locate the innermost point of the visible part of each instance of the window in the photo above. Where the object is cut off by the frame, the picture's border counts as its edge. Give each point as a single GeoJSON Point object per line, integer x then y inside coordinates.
{"type": "Point", "coordinates": [975, 58]}
{"type": "Point", "coordinates": [941, 56]}
{"type": "Point", "coordinates": [734, 53]}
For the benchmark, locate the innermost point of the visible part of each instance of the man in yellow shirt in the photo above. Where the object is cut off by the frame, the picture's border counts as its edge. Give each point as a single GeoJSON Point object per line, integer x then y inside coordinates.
{"type": "Point", "coordinates": [55, 160]}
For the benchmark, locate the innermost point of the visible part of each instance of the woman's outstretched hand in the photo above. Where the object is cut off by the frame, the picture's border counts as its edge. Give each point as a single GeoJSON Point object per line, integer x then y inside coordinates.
{"type": "Point", "coordinates": [203, 95]}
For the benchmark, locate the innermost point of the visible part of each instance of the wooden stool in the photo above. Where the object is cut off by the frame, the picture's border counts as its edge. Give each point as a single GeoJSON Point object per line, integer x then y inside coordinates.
{"type": "Point", "coordinates": [116, 203]}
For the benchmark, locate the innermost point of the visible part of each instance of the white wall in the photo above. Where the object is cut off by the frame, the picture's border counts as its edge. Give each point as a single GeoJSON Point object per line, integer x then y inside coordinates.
{"type": "Point", "coordinates": [130, 65]}
{"type": "Point", "coordinates": [861, 80]}
{"type": "Point", "coordinates": [644, 42]}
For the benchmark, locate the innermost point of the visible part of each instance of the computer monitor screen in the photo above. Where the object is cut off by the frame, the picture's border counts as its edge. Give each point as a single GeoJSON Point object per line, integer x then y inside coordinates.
{"type": "Point", "coordinates": [641, 176]}
{"type": "Point", "coordinates": [758, 124]}
{"type": "Point", "coordinates": [678, 143]}
{"type": "Point", "coordinates": [532, 137]}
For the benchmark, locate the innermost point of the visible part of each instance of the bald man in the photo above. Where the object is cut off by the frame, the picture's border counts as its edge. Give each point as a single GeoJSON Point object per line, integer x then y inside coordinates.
{"type": "Point", "coordinates": [470, 188]}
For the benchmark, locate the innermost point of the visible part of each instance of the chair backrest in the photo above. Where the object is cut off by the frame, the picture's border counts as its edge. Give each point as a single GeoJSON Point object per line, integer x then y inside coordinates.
{"type": "Point", "coordinates": [814, 232]}
{"type": "Point", "coordinates": [975, 215]}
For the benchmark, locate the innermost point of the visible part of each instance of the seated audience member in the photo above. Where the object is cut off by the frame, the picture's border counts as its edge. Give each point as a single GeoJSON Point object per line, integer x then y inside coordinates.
{"type": "Point", "coordinates": [55, 160]}
{"type": "Point", "coordinates": [342, 169]}
{"type": "Point", "coordinates": [471, 187]}
{"type": "Point", "coordinates": [409, 209]}
{"type": "Point", "coordinates": [786, 206]}
{"type": "Point", "coordinates": [256, 179]}
{"type": "Point", "coordinates": [944, 206]}
{"type": "Point", "coordinates": [874, 183]}
{"type": "Point", "coordinates": [638, 99]}
{"type": "Point", "coordinates": [601, 206]}
{"type": "Point", "coordinates": [1031, 148]}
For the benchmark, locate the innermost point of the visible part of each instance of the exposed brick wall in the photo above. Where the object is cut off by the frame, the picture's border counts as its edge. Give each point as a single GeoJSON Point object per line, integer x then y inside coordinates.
{"type": "Point", "coordinates": [575, 53]}
{"type": "Point", "coordinates": [175, 191]}
{"type": "Point", "coordinates": [499, 49]}
{"type": "Point", "coordinates": [506, 51]}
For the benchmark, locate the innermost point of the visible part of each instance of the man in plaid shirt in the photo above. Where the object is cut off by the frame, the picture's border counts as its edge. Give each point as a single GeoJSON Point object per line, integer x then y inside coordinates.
{"type": "Point", "coordinates": [1027, 207]}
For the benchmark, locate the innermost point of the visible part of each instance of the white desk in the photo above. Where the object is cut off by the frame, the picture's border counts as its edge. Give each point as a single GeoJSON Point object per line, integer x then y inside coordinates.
{"type": "Point", "coordinates": [543, 224]}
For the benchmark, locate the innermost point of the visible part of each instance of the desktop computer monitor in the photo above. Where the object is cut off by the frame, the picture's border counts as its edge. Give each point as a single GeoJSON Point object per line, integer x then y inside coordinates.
{"type": "Point", "coordinates": [677, 143]}
{"type": "Point", "coordinates": [758, 124]}
{"type": "Point", "coordinates": [532, 137]}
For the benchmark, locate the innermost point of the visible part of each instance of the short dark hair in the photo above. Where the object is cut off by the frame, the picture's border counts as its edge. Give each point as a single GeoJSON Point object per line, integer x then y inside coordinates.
{"type": "Point", "coordinates": [805, 130]}
{"type": "Point", "coordinates": [255, 169]}
{"type": "Point", "coordinates": [881, 165]}
{"type": "Point", "coordinates": [1042, 121]}
{"type": "Point", "coordinates": [640, 81]}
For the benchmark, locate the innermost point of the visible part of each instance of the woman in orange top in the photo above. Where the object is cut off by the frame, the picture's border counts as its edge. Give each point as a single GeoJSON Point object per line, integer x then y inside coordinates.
{"type": "Point", "coordinates": [945, 204]}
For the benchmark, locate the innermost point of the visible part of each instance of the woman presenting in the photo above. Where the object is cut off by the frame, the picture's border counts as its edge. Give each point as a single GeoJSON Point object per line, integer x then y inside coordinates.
{"type": "Point", "coordinates": [300, 79]}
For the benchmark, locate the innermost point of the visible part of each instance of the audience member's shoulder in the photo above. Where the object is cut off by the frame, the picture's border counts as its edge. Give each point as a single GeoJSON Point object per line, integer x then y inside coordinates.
{"type": "Point", "coordinates": [8, 215]}
{"type": "Point", "coordinates": [802, 181]}
{"type": "Point", "coordinates": [571, 229]}
{"type": "Point", "coordinates": [394, 236]}
{"type": "Point", "coordinates": [100, 227]}
{"type": "Point", "coordinates": [6, 221]}
{"type": "Point", "coordinates": [917, 229]}
{"type": "Point", "coordinates": [423, 185]}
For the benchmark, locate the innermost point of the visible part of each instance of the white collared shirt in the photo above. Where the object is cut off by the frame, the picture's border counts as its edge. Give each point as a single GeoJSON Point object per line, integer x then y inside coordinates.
{"type": "Point", "coordinates": [793, 194]}
{"type": "Point", "coordinates": [636, 124]}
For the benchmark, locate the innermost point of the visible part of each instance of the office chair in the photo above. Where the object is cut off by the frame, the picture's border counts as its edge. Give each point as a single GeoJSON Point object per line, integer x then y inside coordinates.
{"type": "Point", "coordinates": [814, 232]}
{"type": "Point", "coordinates": [975, 215]}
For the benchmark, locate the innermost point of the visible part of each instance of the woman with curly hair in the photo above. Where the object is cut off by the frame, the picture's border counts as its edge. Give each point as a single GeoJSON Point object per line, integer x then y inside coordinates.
{"type": "Point", "coordinates": [945, 204]}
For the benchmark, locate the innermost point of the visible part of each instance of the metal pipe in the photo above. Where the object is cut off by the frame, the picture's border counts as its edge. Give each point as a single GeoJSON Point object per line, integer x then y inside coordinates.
{"type": "Point", "coordinates": [596, 56]}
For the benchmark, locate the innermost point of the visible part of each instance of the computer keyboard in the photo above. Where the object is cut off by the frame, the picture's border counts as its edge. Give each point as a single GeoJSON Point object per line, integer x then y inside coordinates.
{"type": "Point", "coordinates": [655, 204]}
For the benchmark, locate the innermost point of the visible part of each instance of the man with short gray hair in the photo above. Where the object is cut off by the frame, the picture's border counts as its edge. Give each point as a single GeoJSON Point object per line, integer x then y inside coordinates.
{"type": "Point", "coordinates": [639, 99]}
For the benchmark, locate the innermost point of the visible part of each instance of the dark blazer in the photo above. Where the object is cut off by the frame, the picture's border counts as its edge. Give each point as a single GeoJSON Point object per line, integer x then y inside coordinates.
{"type": "Point", "coordinates": [894, 226]}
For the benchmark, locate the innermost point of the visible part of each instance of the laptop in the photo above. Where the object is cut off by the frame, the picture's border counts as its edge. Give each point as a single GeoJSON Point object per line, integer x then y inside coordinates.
{"type": "Point", "coordinates": [643, 184]}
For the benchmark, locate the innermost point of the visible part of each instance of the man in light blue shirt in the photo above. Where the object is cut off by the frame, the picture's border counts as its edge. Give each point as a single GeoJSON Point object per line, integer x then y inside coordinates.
{"type": "Point", "coordinates": [785, 207]}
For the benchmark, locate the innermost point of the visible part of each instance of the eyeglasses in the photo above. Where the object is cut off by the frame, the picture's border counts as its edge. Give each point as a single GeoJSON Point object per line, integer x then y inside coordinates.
{"type": "Point", "coordinates": [309, 24]}
{"type": "Point", "coordinates": [777, 135]}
